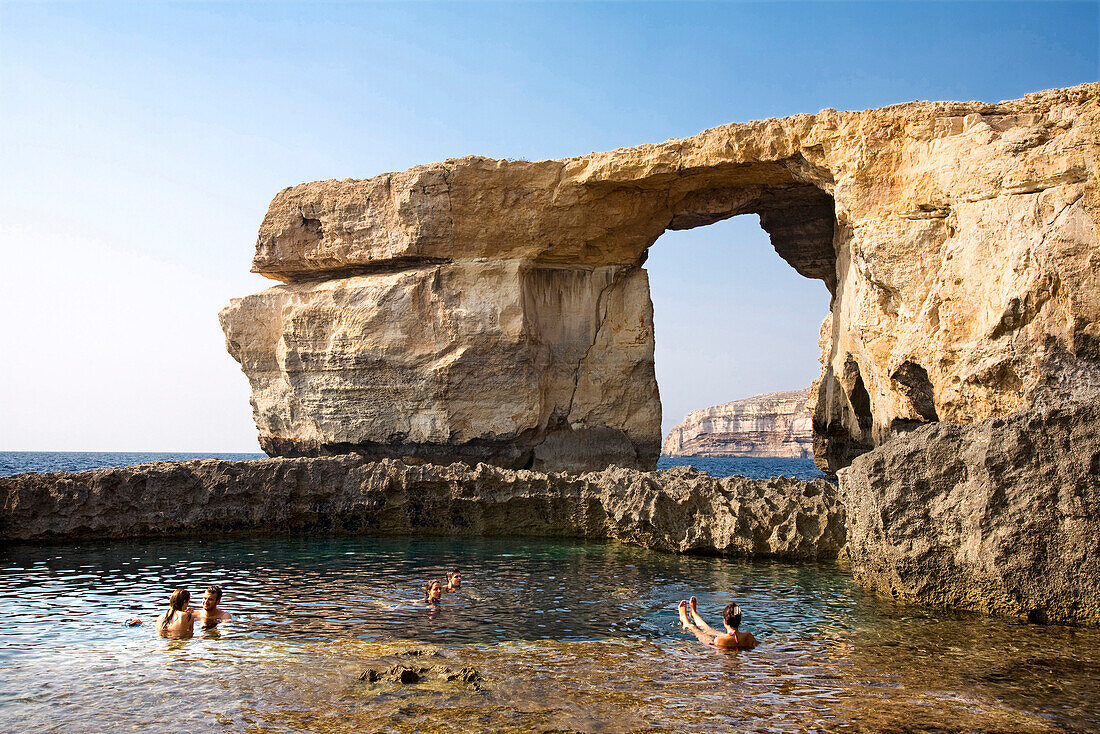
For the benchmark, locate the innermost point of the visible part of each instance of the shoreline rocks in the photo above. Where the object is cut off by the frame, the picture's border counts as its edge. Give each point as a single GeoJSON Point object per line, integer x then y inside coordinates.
{"type": "Point", "coordinates": [680, 510]}
{"type": "Point", "coordinates": [1001, 517]}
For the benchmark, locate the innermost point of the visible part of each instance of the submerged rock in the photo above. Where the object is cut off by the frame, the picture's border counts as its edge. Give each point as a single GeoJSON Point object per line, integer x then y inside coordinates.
{"type": "Point", "coordinates": [1002, 516]}
{"type": "Point", "coordinates": [407, 675]}
{"type": "Point", "coordinates": [404, 674]}
{"type": "Point", "coordinates": [680, 509]}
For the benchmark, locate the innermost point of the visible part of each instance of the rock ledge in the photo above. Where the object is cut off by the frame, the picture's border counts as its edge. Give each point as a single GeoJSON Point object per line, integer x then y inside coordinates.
{"type": "Point", "coordinates": [680, 510]}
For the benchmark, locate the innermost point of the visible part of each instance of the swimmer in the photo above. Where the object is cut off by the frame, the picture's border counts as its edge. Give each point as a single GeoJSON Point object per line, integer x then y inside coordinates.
{"type": "Point", "coordinates": [210, 616]}
{"type": "Point", "coordinates": [432, 593]}
{"type": "Point", "coordinates": [731, 618]}
{"type": "Point", "coordinates": [454, 580]}
{"type": "Point", "coordinates": [179, 619]}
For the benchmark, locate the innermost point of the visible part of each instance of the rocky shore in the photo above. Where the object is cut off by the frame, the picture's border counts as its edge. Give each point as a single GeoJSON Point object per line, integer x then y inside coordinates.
{"type": "Point", "coordinates": [1002, 516]}
{"type": "Point", "coordinates": [680, 510]}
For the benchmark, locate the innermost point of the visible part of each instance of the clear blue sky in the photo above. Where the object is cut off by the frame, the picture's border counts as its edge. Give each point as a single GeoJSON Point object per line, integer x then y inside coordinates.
{"type": "Point", "coordinates": [141, 143]}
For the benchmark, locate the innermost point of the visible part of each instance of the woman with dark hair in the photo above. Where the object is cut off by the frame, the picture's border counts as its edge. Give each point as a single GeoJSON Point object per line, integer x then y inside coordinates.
{"type": "Point", "coordinates": [179, 619]}
{"type": "Point", "coordinates": [432, 593]}
{"type": "Point", "coordinates": [731, 619]}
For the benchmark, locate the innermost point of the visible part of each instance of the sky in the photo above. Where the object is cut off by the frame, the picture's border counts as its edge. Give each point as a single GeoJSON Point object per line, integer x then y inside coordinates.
{"type": "Point", "coordinates": [140, 144]}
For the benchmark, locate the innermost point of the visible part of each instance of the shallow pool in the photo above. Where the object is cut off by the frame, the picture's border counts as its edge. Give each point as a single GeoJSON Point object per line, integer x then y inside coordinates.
{"type": "Point", "coordinates": [568, 637]}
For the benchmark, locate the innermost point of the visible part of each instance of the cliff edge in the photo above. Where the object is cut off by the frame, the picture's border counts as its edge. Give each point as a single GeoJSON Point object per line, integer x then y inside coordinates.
{"type": "Point", "coordinates": [775, 424]}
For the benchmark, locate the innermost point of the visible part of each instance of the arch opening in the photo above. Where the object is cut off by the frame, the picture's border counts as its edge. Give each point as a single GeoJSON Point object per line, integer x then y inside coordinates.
{"type": "Point", "coordinates": [731, 321]}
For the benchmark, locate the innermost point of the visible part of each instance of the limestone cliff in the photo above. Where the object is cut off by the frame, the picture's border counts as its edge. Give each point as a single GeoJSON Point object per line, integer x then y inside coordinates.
{"type": "Point", "coordinates": [776, 424]}
{"type": "Point", "coordinates": [498, 310]}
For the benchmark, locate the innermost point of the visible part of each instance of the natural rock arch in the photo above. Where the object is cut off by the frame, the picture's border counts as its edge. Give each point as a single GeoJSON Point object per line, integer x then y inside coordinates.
{"type": "Point", "coordinates": [498, 310]}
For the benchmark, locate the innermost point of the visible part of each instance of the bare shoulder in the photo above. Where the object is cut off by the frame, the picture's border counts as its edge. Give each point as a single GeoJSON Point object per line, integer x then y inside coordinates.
{"type": "Point", "coordinates": [743, 641]}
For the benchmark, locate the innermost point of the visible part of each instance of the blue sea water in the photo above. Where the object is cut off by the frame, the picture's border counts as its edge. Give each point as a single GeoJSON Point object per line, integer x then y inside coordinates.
{"type": "Point", "coordinates": [16, 462]}
{"type": "Point", "coordinates": [751, 467]}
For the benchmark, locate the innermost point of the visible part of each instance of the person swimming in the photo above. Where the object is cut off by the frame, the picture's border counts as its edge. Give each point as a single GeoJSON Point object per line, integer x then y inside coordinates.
{"type": "Point", "coordinates": [179, 619]}
{"type": "Point", "coordinates": [454, 580]}
{"type": "Point", "coordinates": [731, 619]}
{"type": "Point", "coordinates": [210, 616]}
{"type": "Point", "coordinates": [433, 592]}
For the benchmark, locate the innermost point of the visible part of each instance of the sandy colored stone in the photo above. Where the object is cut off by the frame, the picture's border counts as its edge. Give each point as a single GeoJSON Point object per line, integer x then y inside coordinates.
{"type": "Point", "coordinates": [488, 361]}
{"type": "Point", "coordinates": [958, 241]}
{"type": "Point", "coordinates": [776, 424]}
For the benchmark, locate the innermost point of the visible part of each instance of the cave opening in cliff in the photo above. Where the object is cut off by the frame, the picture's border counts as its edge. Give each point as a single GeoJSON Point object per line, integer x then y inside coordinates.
{"type": "Point", "coordinates": [738, 311]}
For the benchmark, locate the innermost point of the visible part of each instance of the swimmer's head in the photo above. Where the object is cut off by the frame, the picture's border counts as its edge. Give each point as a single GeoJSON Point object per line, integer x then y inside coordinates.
{"type": "Point", "coordinates": [454, 578]}
{"type": "Point", "coordinates": [433, 591]}
{"type": "Point", "coordinates": [180, 598]}
{"type": "Point", "coordinates": [731, 615]}
{"type": "Point", "coordinates": [212, 597]}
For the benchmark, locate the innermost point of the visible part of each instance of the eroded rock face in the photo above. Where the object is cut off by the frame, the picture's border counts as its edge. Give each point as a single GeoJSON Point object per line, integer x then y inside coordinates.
{"type": "Point", "coordinates": [1001, 516]}
{"type": "Point", "coordinates": [776, 424]}
{"type": "Point", "coordinates": [495, 362]}
{"type": "Point", "coordinates": [679, 510]}
{"type": "Point", "coordinates": [958, 240]}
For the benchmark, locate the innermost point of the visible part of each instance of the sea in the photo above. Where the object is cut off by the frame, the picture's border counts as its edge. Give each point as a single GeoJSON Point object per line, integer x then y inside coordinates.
{"type": "Point", "coordinates": [17, 462]}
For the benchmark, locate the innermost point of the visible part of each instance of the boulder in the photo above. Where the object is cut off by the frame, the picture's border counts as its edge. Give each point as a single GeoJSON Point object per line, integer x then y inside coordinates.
{"type": "Point", "coordinates": [1002, 516]}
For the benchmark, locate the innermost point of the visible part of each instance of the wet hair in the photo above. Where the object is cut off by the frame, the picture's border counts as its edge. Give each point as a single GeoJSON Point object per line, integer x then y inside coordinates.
{"type": "Point", "coordinates": [176, 603]}
{"type": "Point", "coordinates": [216, 591]}
{"type": "Point", "coordinates": [731, 615]}
{"type": "Point", "coordinates": [428, 589]}
{"type": "Point", "coordinates": [452, 573]}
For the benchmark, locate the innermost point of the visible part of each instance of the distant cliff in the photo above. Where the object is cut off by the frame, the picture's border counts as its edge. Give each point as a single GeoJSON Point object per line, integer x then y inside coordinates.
{"type": "Point", "coordinates": [775, 424]}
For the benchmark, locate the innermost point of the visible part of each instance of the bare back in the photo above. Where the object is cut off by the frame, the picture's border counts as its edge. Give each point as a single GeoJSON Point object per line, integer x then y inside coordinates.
{"type": "Point", "coordinates": [736, 641]}
{"type": "Point", "coordinates": [176, 621]}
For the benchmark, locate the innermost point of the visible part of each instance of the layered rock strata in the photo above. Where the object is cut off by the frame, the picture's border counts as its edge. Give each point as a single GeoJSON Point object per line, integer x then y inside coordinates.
{"type": "Point", "coordinates": [776, 424]}
{"type": "Point", "coordinates": [680, 510]}
{"type": "Point", "coordinates": [1002, 516]}
{"type": "Point", "coordinates": [499, 310]}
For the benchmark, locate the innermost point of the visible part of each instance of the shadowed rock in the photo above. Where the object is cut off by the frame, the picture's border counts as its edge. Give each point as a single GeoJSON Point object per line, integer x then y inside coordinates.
{"type": "Point", "coordinates": [1002, 516]}
{"type": "Point", "coordinates": [678, 510]}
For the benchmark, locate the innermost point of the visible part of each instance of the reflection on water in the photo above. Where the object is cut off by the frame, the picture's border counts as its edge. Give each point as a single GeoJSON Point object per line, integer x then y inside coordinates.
{"type": "Point", "coordinates": [569, 637]}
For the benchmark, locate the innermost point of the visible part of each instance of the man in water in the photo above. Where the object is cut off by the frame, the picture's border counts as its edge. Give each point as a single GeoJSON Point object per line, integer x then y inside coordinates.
{"type": "Point", "coordinates": [210, 616]}
{"type": "Point", "coordinates": [454, 580]}
{"type": "Point", "coordinates": [731, 618]}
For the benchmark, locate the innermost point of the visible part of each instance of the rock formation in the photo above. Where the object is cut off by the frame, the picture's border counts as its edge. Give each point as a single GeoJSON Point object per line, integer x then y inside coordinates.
{"type": "Point", "coordinates": [499, 311]}
{"type": "Point", "coordinates": [1001, 516]}
{"type": "Point", "coordinates": [680, 509]}
{"type": "Point", "coordinates": [776, 424]}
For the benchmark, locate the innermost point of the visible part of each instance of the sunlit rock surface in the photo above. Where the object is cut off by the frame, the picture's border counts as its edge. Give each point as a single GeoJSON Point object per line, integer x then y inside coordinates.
{"type": "Point", "coordinates": [680, 509]}
{"type": "Point", "coordinates": [498, 310]}
{"type": "Point", "coordinates": [489, 361]}
{"type": "Point", "coordinates": [775, 424]}
{"type": "Point", "coordinates": [1000, 516]}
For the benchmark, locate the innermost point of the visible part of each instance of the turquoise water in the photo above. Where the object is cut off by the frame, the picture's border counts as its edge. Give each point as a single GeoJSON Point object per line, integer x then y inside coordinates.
{"type": "Point", "coordinates": [578, 637]}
